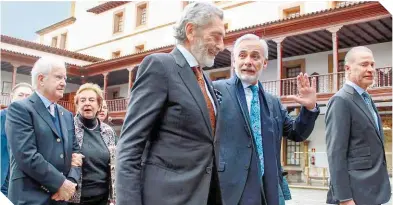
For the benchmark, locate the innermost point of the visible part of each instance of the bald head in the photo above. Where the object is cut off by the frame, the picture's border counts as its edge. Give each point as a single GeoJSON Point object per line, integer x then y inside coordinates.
{"type": "Point", "coordinates": [359, 66]}
{"type": "Point", "coordinates": [352, 54]}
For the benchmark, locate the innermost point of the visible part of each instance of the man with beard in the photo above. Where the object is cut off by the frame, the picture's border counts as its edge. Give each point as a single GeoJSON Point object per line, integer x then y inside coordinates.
{"type": "Point", "coordinates": [173, 107]}
{"type": "Point", "coordinates": [251, 125]}
{"type": "Point", "coordinates": [42, 143]}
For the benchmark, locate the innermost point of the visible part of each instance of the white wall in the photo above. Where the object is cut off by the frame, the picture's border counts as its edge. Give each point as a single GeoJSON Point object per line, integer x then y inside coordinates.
{"type": "Point", "coordinates": [123, 90]}
{"type": "Point", "coordinates": [91, 29]}
{"type": "Point", "coordinates": [101, 26]}
{"type": "Point", "coordinates": [318, 141]}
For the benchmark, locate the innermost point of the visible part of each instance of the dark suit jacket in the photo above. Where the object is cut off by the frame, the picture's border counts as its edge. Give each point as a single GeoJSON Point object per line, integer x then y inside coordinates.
{"type": "Point", "coordinates": [168, 110]}
{"type": "Point", "coordinates": [5, 157]}
{"type": "Point", "coordinates": [355, 151]}
{"type": "Point", "coordinates": [37, 169]}
{"type": "Point", "coordinates": [237, 145]}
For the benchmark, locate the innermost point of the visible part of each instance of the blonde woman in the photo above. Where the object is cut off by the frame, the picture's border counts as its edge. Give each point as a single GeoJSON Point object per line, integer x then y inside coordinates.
{"type": "Point", "coordinates": [97, 142]}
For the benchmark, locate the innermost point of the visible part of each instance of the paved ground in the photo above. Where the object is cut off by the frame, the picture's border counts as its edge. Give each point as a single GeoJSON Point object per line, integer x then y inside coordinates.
{"type": "Point", "coordinates": [309, 197]}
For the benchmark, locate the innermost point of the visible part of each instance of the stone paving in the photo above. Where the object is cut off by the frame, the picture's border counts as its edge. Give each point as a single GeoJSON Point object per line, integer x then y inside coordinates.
{"type": "Point", "coordinates": [310, 197]}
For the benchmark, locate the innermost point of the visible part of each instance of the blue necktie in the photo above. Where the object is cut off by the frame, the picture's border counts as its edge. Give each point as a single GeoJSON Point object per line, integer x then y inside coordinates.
{"type": "Point", "coordinates": [369, 104]}
{"type": "Point", "coordinates": [255, 118]}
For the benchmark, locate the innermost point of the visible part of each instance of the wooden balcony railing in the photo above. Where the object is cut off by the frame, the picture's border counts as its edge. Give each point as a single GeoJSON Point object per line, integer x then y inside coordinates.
{"type": "Point", "coordinates": [69, 105]}
{"type": "Point", "coordinates": [117, 105]}
{"type": "Point", "coordinates": [325, 83]}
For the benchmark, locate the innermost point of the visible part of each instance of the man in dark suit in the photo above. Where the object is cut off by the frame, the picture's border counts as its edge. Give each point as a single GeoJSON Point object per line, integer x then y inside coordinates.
{"type": "Point", "coordinates": [19, 92]}
{"type": "Point", "coordinates": [41, 139]}
{"type": "Point", "coordinates": [354, 138]}
{"type": "Point", "coordinates": [173, 107]}
{"type": "Point", "coordinates": [252, 123]}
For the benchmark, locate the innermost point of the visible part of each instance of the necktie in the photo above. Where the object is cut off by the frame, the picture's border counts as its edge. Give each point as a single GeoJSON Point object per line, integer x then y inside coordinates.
{"type": "Point", "coordinates": [199, 76]}
{"type": "Point", "coordinates": [255, 118]}
{"type": "Point", "coordinates": [52, 109]}
{"type": "Point", "coordinates": [369, 104]}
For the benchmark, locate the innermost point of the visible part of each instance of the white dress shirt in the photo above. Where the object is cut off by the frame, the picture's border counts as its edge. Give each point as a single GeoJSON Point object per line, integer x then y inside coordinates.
{"type": "Point", "coordinates": [248, 93]}
{"type": "Point", "coordinates": [193, 62]}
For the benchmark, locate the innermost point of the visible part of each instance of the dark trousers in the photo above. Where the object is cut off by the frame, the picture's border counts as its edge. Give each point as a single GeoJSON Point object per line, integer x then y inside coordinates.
{"type": "Point", "coordinates": [94, 200]}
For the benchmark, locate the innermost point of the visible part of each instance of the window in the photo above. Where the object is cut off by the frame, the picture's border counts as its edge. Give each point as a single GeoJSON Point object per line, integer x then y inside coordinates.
{"type": "Point", "coordinates": [63, 40]}
{"type": "Point", "coordinates": [118, 22]}
{"type": "Point", "coordinates": [293, 153]}
{"type": "Point", "coordinates": [54, 41]}
{"type": "Point", "coordinates": [115, 94]}
{"type": "Point", "coordinates": [291, 12]}
{"type": "Point", "coordinates": [141, 15]}
{"type": "Point", "coordinates": [116, 54]}
{"type": "Point", "coordinates": [139, 48]}
{"type": "Point", "coordinates": [290, 86]}
{"type": "Point", "coordinates": [293, 72]}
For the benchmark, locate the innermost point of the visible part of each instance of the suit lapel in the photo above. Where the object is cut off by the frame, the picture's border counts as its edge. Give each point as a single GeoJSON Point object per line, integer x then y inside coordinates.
{"type": "Point", "coordinates": [189, 79]}
{"type": "Point", "coordinates": [63, 126]}
{"type": "Point", "coordinates": [43, 112]}
{"type": "Point", "coordinates": [237, 92]}
{"type": "Point", "coordinates": [358, 100]}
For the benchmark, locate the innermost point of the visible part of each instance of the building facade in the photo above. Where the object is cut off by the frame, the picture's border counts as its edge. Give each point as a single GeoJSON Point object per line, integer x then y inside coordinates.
{"type": "Point", "coordinates": [104, 42]}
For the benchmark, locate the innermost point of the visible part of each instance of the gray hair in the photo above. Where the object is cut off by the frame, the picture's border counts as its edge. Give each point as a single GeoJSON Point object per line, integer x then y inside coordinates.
{"type": "Point", "coordinates": [44, 66]}
{"type": "Point", "coordinates": [198, 13]}
{"type": "Point", "coordinates": [21, 85]}
{"type": "Point", "coordinates": [349, 57]}
{"type": "Point", "coordinates": [249, 36]}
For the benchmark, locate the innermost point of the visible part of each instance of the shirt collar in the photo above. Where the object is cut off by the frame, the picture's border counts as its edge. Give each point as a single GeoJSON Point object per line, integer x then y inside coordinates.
{"type": "Point", "coordinates": [44, 100]}
{"type": "Point", "coordinates": [247, 85]}
{"type": "Point", "coordinates": [356, 87]}
{"type": "Point", "coordinates": [188, 56]}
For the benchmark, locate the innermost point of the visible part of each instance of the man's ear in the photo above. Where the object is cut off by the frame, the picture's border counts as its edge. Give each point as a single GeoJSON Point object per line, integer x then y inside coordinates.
{"type": "Point", "coordinates": [190, 31]}
{"type": "Point", "coordinates": [264, 66]}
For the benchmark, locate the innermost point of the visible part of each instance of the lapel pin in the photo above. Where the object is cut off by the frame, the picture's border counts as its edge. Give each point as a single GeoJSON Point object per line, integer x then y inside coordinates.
{"type": "Point", "coordinates": [61, 113]}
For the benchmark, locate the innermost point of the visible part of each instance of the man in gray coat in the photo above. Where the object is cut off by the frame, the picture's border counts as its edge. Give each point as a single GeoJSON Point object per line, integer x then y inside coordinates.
{"type": "Point", "coordinates": [172, 110]}
{"type": "Point", "coordinates": [354, 138]}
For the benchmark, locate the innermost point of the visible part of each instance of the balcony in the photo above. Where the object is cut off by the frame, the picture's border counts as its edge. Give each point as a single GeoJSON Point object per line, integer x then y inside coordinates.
{"type": "Point", "coordinates": [381, 88]}
{"type": "Point", "coordinates": [325, 83]}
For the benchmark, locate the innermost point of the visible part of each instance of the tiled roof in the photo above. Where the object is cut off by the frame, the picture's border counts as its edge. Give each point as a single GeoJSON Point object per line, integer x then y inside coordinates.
{"type": "Point", "coordinates": [134, 54]}
{"type": "Point", "coordinates": [49, 49]}
{"type": "Point", "coordinates": [62, 23]}
{"type": "Point", "coordinates": [31, 56]}
{"type": "Point", "coordinates": [106, 6]}
{"type": "Point", "coordinates": [348, 4]}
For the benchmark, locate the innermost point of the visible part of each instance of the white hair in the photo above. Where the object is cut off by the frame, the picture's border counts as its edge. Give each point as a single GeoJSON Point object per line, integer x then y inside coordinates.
{"type": "Point", "coordinates": [198, 13]}
{"type": "Point", "coordinates": [253, 37]}
{"type": "Point", "coordinates": [44, 66]}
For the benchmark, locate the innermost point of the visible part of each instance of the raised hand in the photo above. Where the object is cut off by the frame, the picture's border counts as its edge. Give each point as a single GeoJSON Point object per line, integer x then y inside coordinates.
{"type": "Point", "coordinates": [307, 94]}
